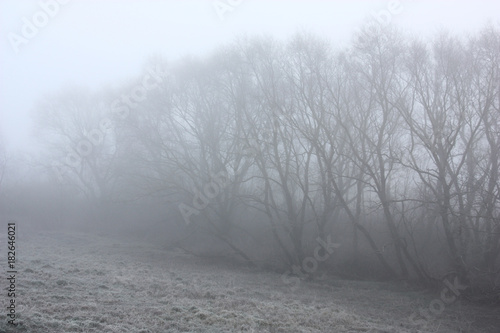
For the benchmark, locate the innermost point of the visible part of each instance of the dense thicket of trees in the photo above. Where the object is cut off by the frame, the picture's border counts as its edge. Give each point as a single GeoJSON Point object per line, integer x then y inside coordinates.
{"type": "Point", "coordinates": [390, 147]}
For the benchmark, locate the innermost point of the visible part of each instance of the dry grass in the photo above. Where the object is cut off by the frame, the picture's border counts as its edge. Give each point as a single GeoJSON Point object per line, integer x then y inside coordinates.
{"type": "Point", "coordinates": [82, 283]}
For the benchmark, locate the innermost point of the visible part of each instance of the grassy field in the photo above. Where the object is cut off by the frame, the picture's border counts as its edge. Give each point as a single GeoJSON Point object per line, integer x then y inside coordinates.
{"type": "Point", "coordinates": [76, 282]}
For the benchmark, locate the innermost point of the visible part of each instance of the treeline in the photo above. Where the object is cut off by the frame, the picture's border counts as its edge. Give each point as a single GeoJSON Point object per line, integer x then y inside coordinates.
{"type": "Point", "coordinates": [390, 147]}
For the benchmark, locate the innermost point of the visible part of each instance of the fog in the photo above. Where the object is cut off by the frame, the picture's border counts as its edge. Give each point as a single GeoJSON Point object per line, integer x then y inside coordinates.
{"type": "Point", "coordinates": [217, 160]}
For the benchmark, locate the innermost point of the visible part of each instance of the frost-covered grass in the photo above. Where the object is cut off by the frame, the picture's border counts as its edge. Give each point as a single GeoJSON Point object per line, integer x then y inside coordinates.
{"type": "Point", "coordinates": [85, 283]}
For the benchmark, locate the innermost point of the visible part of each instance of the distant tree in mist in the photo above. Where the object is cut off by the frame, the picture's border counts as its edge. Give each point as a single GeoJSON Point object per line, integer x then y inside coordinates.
{"type": "Point", "coordinates": [82, 151]}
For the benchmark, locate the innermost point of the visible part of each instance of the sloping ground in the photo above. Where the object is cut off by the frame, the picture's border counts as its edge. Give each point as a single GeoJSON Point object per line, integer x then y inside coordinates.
{"type": "Point", "coordinates": [85, 283]}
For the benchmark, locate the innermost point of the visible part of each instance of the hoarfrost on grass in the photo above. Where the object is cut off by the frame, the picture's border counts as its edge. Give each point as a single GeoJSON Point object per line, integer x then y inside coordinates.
{"type": "Point", "coordinates": [86, 283]}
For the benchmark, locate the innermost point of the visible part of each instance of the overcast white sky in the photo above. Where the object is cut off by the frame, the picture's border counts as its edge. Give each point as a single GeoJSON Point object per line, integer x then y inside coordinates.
{"type": "Point", "coordinates": [104, 42]}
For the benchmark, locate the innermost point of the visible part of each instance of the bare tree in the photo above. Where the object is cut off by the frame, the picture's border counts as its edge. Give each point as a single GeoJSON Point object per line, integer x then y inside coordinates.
{"type": "Point", "coordinates": [483, 155]}
{"type": "Point", "coordinates": [81, 147]}
{"type": "Point", "coordinates": [449, 123]}
{"type": "Point", "coordinates": [186, 145]}
{"type": "Point", "coordinates": [374, 131]}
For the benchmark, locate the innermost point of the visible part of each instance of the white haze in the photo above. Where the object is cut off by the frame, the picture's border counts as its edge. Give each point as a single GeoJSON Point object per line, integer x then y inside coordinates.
{"type": "Point", "coordinates": [103, 43]}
